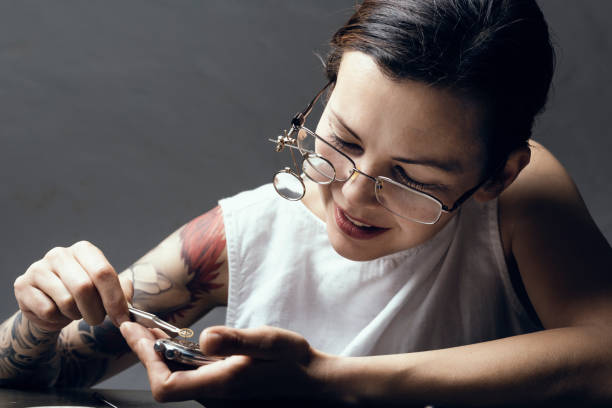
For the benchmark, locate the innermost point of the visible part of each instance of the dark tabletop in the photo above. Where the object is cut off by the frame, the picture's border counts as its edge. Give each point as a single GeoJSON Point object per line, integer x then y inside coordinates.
{"type": "Point", "coordinates": [84, 398]}
{"type": "Point", "coordinates": [100, 398]}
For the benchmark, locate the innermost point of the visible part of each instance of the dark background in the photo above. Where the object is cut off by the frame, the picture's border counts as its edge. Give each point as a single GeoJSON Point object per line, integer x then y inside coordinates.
{"type": "Point", "coordinates": [121, 120]}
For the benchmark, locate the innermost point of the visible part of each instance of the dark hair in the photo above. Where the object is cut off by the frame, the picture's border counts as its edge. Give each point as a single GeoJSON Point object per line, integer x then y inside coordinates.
{"type": "Point", "coordinates": [497, 51]}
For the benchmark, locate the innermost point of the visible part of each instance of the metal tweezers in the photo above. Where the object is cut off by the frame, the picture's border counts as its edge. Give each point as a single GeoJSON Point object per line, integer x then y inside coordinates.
{"type": "Point", "coordinates": [153, 318]}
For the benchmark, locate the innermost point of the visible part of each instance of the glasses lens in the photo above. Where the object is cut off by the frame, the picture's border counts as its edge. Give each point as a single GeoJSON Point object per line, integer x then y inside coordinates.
{"type": "Point", "coordinates": [406, 202]}
{"type": "Point", "coordinates": [289, 185]}
{"type": "Point", "coordinates": [308, 142]}
{"type": "Point", "coordinates": [318, 169]}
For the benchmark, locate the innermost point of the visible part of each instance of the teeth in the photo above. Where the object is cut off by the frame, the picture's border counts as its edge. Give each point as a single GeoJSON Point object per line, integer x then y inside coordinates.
{"type": "Point", "coordinates": [357, 223]}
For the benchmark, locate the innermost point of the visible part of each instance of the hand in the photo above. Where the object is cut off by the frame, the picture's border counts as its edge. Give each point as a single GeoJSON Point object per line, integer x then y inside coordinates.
{"type": "Point", "coordinates": [69, 284]}
{"type": "Point", "coordinates": [263, 362]}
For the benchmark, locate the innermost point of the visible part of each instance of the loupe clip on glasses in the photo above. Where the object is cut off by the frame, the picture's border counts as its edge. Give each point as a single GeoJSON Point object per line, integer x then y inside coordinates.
{"type": "Point", "coordinates": [288, 183]}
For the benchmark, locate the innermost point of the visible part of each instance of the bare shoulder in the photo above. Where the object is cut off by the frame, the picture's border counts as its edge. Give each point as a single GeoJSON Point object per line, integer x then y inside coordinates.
{"type": "Point", "coordinates": [548, 232]}
{"type": "Point", "coordinates": [542, 182]}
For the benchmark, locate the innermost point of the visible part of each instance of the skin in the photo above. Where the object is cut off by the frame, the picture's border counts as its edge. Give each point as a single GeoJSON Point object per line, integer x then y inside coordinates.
{"type": "Point", "coordinates": [60, 336]}
{"type": "Point", "coordinates": [547, 233]}
{"type": "Point", "coordinates": [377, 140]}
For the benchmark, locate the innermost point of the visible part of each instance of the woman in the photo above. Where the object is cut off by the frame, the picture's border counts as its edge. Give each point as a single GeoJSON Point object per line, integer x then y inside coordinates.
{"type": "Point", "coordinates": [439, 256]}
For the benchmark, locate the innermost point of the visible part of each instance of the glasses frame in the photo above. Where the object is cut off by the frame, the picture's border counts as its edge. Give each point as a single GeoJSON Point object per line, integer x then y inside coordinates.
{"type": "Point", "coordinates": [297, 123]}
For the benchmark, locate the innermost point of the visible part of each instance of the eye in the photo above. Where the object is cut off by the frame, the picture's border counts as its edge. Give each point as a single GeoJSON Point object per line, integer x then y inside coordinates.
{"type": "Point", "coordinates": [403, 178]}
{"type": "Point", "coordinates": [343, 145]}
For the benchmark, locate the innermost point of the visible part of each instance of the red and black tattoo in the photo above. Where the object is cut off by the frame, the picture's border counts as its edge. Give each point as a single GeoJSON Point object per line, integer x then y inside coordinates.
{"type": "Point", "coordinates": [203, 243]}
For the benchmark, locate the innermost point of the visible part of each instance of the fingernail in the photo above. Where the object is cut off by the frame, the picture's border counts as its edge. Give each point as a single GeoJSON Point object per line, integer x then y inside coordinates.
{"type": "Point", "coordinates": [123, 327]}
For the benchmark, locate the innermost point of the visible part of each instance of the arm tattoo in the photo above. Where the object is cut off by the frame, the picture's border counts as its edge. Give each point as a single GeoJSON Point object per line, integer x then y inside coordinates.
{"type": "Point", "coordinates": [203, 243]}
{"type": "Point", "coordinates": [81, 354]}
{"type": "Point", "coordinates": [84, 363]}
{"type": "Point", "coordinates": [27, 354]}
{"type": "Point", "coordinates": [155, 292]}
{"type": "Point", "coordinates": [31, 357]}
{"type": "Point", "coordinates": [148, 281]}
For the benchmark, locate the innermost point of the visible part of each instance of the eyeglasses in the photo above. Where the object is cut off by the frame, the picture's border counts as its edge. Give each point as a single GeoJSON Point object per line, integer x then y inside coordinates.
{"type": "Point", "coordinates": [323, 163]}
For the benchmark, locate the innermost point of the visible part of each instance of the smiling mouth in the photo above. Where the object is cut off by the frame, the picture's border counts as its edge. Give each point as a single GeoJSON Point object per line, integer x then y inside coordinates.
{"type": "Point", "coordinates": [357, 223]}
{"type": "Point", "coordinates": [354, 228]}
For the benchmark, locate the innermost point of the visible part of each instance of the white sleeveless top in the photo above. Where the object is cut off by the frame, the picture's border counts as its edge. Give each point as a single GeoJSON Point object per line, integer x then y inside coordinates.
{"type": "Point", "coordinates": [452, 290]}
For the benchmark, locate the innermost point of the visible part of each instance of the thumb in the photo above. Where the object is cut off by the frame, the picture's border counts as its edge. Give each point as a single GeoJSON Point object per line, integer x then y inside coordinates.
{"type": "Point", "coordinates": [265, 343]}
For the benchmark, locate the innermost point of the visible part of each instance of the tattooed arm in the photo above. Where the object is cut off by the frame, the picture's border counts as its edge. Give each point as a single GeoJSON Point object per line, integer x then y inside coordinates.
{"type": "Point", "coordinates": [23, 347]}
{"type": "Point", "coordinates": [183, 294]}
{"type": "Point", "coordinates": [33, 357]}
{"type": "Point", "coordinates": [46, 343]}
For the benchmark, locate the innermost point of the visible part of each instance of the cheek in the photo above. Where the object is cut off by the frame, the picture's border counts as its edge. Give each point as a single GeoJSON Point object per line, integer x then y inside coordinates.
{"type": "Point", "coordinates": [417, 232]}
{"type": "Point", "coordinates": [325, 199]}
{"type": "Point", "coordinates": [328, 191]}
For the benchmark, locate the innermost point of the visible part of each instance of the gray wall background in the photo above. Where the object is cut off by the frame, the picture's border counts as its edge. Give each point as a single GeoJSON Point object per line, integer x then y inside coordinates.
{"type": "Point", "coordinates": [121, 120]}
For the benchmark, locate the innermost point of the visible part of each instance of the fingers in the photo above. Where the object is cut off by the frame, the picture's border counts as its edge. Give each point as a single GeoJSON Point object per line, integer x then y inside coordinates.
{"type": "Point", "coordinates": [72, 283]}
{"type": "Point", "coordinates": [208, 380]}
{"type": "Point", "coordinates": [221, 379]}
{"type": "Point", "coordinates": [267, 343]}
{"type": "Point", "coordinates": [159, 333]}
{"type": "Point", "coordinates": [104, 278]}
{"type": "Point", "coordinates": [47, 316]}
{"type": "Point", "coordinates": [141, 341]}
{"type": "Point", "coordinates": [77, 282]}
{"type": "Point", "coordinates": [50, 283]}
{"type": "Point", "coordinates": [236, 376]}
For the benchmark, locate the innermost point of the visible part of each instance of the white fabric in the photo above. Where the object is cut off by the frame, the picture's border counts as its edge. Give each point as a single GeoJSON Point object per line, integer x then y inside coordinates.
{"type": "Point", "coordinates": [452, 290]}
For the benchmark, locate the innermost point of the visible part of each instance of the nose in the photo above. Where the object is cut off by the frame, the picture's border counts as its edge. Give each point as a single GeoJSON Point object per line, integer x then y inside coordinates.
{"type": "Point", "coordinates": [358, 190]}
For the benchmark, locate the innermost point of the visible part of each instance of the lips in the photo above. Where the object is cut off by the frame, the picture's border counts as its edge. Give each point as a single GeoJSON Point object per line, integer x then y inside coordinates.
{"type": "Point", "coordinates": [356, 222]}
{"type": "Point", "coordinates": [355, 228]}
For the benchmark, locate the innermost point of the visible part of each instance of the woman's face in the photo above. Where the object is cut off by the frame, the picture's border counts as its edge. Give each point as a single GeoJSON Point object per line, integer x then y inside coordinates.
{"type": "Point", "coordinates": [411, 132]}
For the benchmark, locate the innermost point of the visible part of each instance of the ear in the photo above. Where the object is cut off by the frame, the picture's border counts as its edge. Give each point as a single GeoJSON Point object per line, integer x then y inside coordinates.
{"type": "Point", "coordinates": [517, 160]}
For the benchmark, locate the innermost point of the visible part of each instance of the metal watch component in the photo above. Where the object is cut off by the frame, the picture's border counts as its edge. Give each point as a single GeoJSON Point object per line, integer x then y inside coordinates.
{"type": "Point", "coordinates": [183, 351]}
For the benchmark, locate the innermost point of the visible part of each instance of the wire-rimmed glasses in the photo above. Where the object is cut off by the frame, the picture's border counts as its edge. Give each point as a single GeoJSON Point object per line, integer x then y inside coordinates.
{"type": "Point", "coordinates": [324, 163]}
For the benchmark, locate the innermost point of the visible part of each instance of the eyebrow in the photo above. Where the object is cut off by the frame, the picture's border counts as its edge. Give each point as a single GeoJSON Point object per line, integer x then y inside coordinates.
{"type": "Point", "coordinates": [449, 166]}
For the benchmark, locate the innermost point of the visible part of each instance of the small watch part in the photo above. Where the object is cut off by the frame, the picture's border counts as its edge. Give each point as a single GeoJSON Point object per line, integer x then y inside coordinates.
{"type": "Point", "coordinates": [186, 333]}
{"type": "Point", "coordinates": [187, 344]}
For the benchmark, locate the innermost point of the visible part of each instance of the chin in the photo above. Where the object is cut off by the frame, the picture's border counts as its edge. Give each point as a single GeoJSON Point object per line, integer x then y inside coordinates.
{"type": "Point", "coordinates": [351, 250]}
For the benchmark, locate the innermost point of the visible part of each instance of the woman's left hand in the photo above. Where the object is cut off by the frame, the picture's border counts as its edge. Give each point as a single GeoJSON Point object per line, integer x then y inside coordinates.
{"type": "Point", "coordinates": [265, 362]}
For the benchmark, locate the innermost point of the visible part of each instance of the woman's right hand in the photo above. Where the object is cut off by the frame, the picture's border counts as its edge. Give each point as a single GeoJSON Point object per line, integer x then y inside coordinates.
{"type": "Point", "coordinates": [72, 283]}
